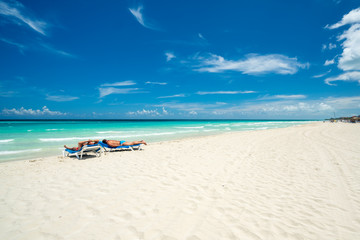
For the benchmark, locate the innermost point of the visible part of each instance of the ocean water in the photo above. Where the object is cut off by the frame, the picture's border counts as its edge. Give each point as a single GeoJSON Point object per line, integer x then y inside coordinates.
{"type": "Point", "coordinates": [33, 139]}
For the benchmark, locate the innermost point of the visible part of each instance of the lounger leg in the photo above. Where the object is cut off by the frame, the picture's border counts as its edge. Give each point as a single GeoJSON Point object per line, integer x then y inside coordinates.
{"type": "Point", "coordinates": [77, 155]}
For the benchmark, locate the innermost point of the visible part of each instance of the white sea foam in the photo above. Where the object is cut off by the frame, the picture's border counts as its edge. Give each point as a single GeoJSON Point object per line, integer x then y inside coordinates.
{"type": "Point", "coordinates": [106, 132]}
{"type": "Point", "coordinates": [54, 129]}
{"type": "Point", "coordinates": [19, 151]}
{"type": "Point", "coordinates": [122, 136]}
{"type": "Point", "coordinates": [61, 139]}
{"type": "Point", "coordinates": [218, 125]}
{"type": "Point", "coordinates": [6, 140]}
{"type": "Point", "coordinates": [190, 127]}
{"type": "Point", "coordinates": [30, 130]}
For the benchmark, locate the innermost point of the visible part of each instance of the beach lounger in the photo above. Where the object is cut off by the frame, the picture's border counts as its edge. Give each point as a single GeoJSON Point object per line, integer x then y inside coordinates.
{"type": "Point", "coordinates": [97, 149]}
{"type": "Point", "coordinates": [107, 148]}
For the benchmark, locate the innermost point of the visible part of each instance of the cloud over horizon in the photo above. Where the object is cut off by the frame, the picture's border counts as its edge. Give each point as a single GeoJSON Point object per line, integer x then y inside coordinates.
{"type": "Point", "coordinates": [44, 111]}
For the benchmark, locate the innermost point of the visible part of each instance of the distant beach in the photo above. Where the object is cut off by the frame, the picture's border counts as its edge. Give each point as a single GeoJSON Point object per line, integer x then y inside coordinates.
{"type": "Point", "coordinates": [21, 140]}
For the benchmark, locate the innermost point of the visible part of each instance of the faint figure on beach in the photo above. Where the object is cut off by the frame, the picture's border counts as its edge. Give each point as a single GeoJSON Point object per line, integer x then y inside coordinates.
{"type": "Point", "coordinates": [81, 144]}
{"type": "Point", "coordinates": [115, 143]}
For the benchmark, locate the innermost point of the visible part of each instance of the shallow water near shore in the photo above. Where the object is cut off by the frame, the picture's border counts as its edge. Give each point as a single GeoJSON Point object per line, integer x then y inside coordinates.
{"type": "Point", "coordinates": [32, 139]}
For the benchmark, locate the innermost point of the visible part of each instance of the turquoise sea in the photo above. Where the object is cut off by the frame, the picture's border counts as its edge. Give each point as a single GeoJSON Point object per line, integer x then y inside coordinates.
{"type": "Point", "coordinates": [32, 139]}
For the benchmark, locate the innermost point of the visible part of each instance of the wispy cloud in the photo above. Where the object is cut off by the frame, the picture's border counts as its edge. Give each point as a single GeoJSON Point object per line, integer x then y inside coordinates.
{"type": "Point", "coordinates": [173, 96]}
{"type": "Point", "coordinates": [156, 83]}
{"type": "Point", "coordinates": [30, 112]}
{"type": "Point", "coordinates": [138, 14]}
{"type": "Point", "coordinates": [291, 106]}
{"type": "Point", "coordinates": [347, 76]}
{"type": "Point", "coordinates": [322, 74]}
{"type": "Point", "coordinates": [39, 46]}
{"type": "Point", "coordinates": [111, 90]}
{"type": "Point", "coordinates": [252, 64]}
{"type": "Point", "coordinates": [294, 96]}
{"type": "Point", "coordinates": [60, 98]}
{"type": "Point", "coordinates": [201, 36]}
{"type": "Point", "coordinates": [15, 12]}
{"type": "Point", "coordinates": [169, 56]}
{"type": "Point", "coordinates": [21, 47]}
{"type": "Point", "coordinates": [57, 51]}
{"type": "Point", "coordinates": [224, 92]}
{"type": "Point", "coordinates": [187, 107]}
{"type": "Point", "coordinates": [119, 84]}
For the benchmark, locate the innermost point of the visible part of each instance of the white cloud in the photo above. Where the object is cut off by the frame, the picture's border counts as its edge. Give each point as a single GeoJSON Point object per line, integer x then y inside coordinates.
{"type": "Point", "coordinates": [156, 83]}
{"type": "Point", "coordinates": [329, 46]}
{"type": "Point", "coordinates": [118, 84]}
{"type": "Point", "coordinates": [169, 56]}
{"type": "Point", "coordinates": [14, 11]}
{"type": "Point", "coordinates": [152, 113]}
{"type": "Point", "coordinates": [350, 57]}
{"type": "Point", "coordinates": [111, 90]}
{"type": "Point", "coordinates": [60, 98]}
{"type": "Point", "coordinates": [173, 96]}
{"type": "Point", "coordinates": [193, 113]}
{"type": "Point", "coordinates": [349, 60]}
{"type": "Point", "coordinates": [344, 102]}
{"type": "Point", "coordinates": [322, 74]}
{"type": "Point", "coordinates": [347, 76]}
{"type": "Point", "coordinates": [137, 13]}
{"type": "Point", "coordinates": [352, 17]}
{"type": "Point", "coordinates": [224, 92]}
{"type": "Point", "coordinates": [294, 96]}
{"type": "Point", "coordinates": [253, 64]}
{"type": "Point", "coordinates": [332, 46]}
{"type": "Point", "coordinates": [329, 62]}
{"type": "Point", "coordinates": [30, 112]}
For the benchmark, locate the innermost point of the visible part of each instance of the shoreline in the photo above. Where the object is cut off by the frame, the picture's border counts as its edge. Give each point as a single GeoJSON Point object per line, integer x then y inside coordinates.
{"type": "Point", "coordinates": [41, 158]}
{"type": "Point", "coordinates": [299, 182]}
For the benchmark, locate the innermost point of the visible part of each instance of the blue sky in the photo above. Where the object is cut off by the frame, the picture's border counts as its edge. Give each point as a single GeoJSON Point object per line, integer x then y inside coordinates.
{"type": "Point", "coordinates": [179, 59]}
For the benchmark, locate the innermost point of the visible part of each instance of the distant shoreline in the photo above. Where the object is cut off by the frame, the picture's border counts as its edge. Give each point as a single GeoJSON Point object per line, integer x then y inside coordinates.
{"type": "Point", "coordinates": [153, 120]}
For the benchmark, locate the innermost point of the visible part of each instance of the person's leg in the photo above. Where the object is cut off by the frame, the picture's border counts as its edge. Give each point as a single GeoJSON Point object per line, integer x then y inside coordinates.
{"type": "Point", "coordinates": [134, 143]}
{"type": "Point", "coordinates": [81, 144]}
{"type": "Point", "coordinates": [73, 148]}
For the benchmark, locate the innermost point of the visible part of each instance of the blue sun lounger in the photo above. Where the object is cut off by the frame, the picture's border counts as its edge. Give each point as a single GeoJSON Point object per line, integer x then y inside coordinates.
{"type": "Point", "coordinates": [96, 148]}
{"type": "Point", "coordinates": [107, 148]}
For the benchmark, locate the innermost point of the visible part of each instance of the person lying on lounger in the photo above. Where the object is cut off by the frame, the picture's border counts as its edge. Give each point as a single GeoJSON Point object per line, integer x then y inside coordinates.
{"type": "Point", "coordinates": [115, 143]}
{"type": "Point", "coordinates": [81, 144]}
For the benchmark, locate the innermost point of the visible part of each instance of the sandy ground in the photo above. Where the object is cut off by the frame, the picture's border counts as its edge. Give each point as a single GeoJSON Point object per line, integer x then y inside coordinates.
{"type": "Point", "coordinates": [294, 183]}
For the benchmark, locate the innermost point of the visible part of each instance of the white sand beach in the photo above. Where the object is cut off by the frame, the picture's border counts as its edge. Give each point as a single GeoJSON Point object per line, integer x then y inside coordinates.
{"type": "Point", "coordinates": [300, 182]}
